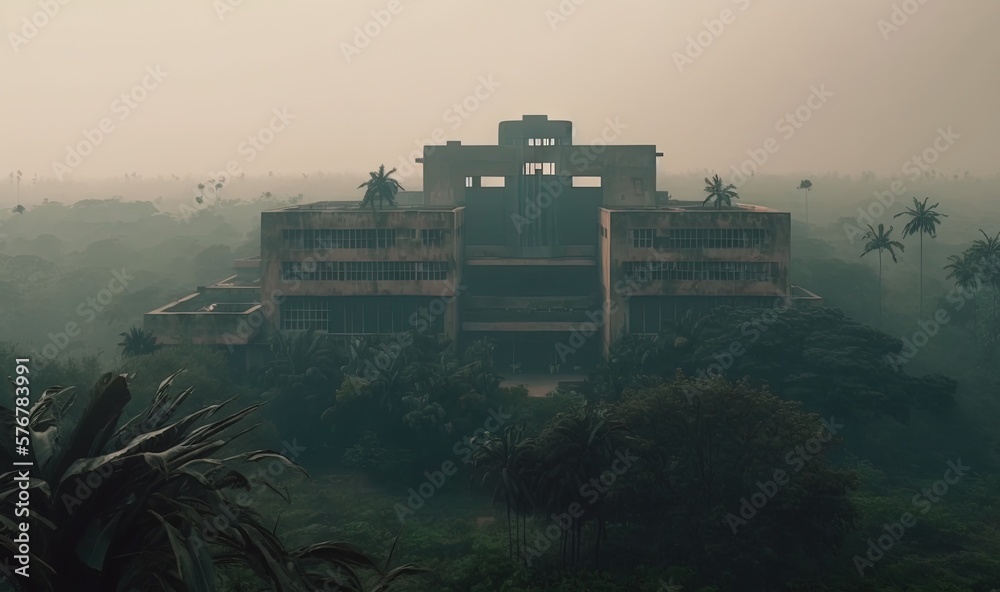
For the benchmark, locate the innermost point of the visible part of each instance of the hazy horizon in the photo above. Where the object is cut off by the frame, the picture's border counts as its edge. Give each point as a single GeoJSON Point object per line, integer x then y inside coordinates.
{"type": "Point", "coordinates": [346, 108]}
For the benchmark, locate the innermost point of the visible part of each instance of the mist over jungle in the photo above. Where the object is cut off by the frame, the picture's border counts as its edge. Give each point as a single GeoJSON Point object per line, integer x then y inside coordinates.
{"type": "Point", "coordinates": [905, 401]}
{"type": "Point", "coordinates": [570, 295]}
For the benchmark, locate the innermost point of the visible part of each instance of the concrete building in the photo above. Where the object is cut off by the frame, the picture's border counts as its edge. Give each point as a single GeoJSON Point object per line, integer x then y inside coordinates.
{"type": "Point", "coordinates": [551, 249]}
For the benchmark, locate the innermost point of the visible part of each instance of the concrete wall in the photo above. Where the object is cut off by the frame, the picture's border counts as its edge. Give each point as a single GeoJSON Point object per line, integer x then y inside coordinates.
{"type": "Point", "coordinates": [534, 126]}
{"type": "Point", "coordinates": [504, 223]}
{"type": "Point", "coordinates": [618, 250]}
{"type": "Point", "coordinates": [274, 253]}
{"type": "Point", "coordinates": [171, 328]}
{"type": "Point", "coordinates": [615, 316]}
{"type": "Point", "coordinates": [446, 168]}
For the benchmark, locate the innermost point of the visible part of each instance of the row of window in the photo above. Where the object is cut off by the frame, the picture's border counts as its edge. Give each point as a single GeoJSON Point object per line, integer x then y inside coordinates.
{"type": "Point", "coordinates": [645, 271]}
{"type": "Point", "coordinates": [544, 168]}
{"type": "Point", "coordinates": [701, 238]}
{"type": "Point", "coordinates": [357, 238]}
{"type": "Point", "coordinates": [432, 237]}
{"type": "Point", "coordinates": [575, 181]}
{"type": "Point", "coordinates": [540, 141]}
{"type": "Point", "coordinates": [361, 315]}
{"type": "Point", "coordinates": [355, 271]}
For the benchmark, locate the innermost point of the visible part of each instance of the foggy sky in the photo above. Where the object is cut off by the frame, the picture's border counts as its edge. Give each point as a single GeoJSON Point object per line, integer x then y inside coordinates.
{"type": "Point", "coordinates": [228, 65]}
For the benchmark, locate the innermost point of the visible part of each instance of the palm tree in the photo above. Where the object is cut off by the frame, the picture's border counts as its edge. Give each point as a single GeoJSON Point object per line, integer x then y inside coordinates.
{"type": "Point", "coordinates": [201, 193]}
{"type": "Point", "coordinates": [137, 342]}
{"type": "Point", "coordinates": [150, 518]}
{"type": "Point", "coordinates": [381, 185]}
{"type": "Point", "coordinates": [966, 275]}
{"type": "Point", "coordinates": [719, 192]}
{"type": "Point", "coordinates": [19, 209]}
{"type": "Point", "coordinates": [503, 458]}
{"type": "Point", "coordinates": [881, 241]}
{"type": "Point", "coordinates": [923, 220]}
{"type": "Point", "coordinates": [986, 254]}
{"type": "Point", "coordinates": [807, 185]}
{"type": "Point", "coordinates": [579, 445]}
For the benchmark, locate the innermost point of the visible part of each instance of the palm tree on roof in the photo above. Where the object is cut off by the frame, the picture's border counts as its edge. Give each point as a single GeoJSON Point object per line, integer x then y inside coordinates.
{"type": "Point", "coordinates": [720, 192]}
{"type": "Point", "coordinates": [380, 186]}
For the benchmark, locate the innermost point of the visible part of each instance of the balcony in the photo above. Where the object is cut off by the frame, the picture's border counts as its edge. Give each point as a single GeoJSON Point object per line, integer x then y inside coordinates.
{"type": "Point", "coordinates": [199, 320]}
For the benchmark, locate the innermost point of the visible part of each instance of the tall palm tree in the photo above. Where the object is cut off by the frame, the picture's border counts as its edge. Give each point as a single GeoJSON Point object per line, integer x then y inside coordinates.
{"type": "Point", "coordinates": [720, 192]}
{"type": "Point", "coordinates": [502, 458]}
{"type": "Point", "coordinates": [579, 445]}
{"type": "Point", "coordinates": [963, 270]}
{"type": "Point", "coordinates": [986, 254]}
{"type": "Point", "coordinates": [881, 240]}
{"type": "Point", "coordinates": [381, 185]}
{"type": "Point", "coordinates": [806, 185]}
{"type": "Point", "coordinates": [923, 220]}
{"type": "Point", "coordinates": [137, 342]}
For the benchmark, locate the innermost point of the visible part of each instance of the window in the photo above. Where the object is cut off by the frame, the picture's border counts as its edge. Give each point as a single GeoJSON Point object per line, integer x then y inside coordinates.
{"type": "Point", "coordinates": [637, 185]}
{"type": "Point", "coordinates": [468, 181]}
{"type": "Point", "coordinates": [342, 238]}
{"type": "Point", "coordinates": [583, 181]}
{"type": "Point", "coordinates": [541, 141]}
{"type": "Point", "coordinates": [714, 238]}
{"type": "Point", "coordinates": [545, 168]}
{"type": "Point", "coordinates": [492, 181]}
{"type": "Point", "coordinates": [432, 237]}
{"type": "Point", "coordinates": [373, 315]}
{"type": "Point", "coordinates": [646, 271]}
{"type": "Point", "coordinates": [304, 313]}
{"type": "Point", "coordinates": [644, 316]}
{"type": "Point", "coordinates": [642, 238]}
{"type": "Point", "coordinates": [355, 271]}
